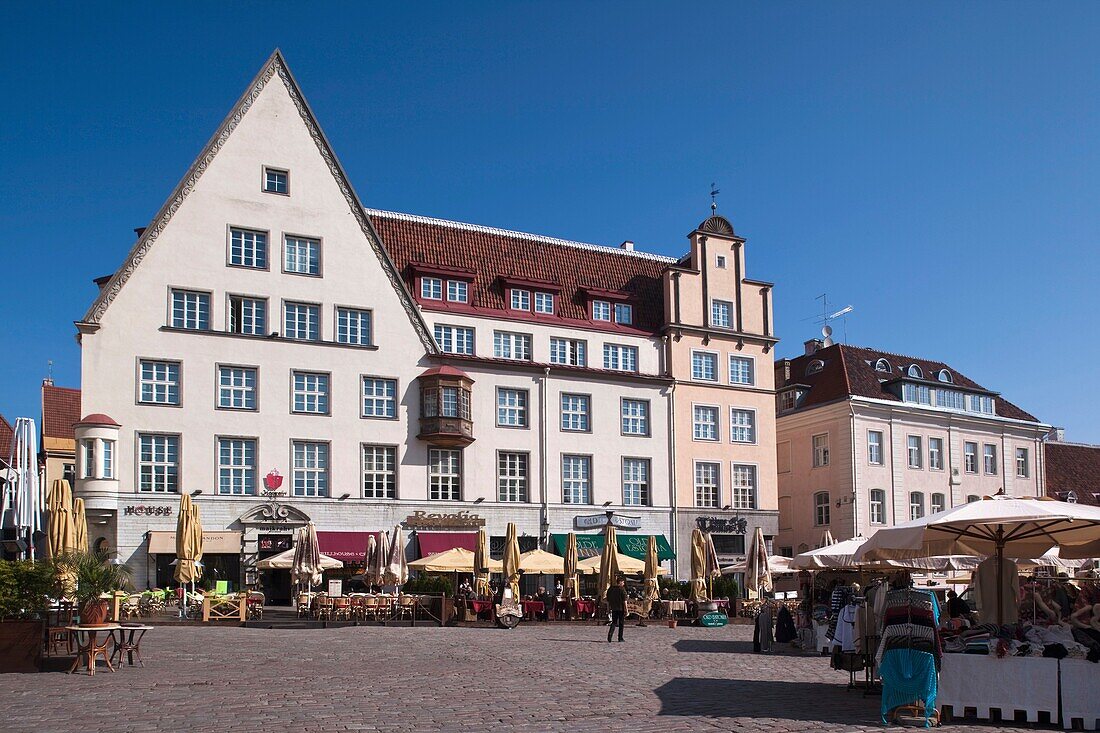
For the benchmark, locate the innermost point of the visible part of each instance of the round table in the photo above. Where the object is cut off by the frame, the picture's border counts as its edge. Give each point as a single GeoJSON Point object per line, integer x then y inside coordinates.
{"type": "Point", "coordinates": [89, 647]}
{"type": "Point", "coordinates": [128, 641]}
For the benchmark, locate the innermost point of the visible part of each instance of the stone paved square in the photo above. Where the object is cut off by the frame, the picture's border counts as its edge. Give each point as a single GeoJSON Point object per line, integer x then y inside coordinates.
{"type": "Point", "coordinates": [539, 677]}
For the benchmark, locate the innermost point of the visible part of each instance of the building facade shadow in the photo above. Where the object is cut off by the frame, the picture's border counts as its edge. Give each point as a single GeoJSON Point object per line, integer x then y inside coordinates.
{"type": "Point", "coordinates": [766, 699]}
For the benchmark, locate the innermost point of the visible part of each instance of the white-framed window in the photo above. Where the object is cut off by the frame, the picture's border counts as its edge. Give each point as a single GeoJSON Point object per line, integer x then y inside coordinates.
{"type": "Point", "coordinates": [916, 460]}
{"type": "Point", "coordinates": [742, 370]}
{"type": "Point", "coordinates": [158, 463]}
{"type": "Point", "coordinates": [508, 345]}
{"type": "Point", "coordinates": [302, 321]}
{"type": "Point", "coordinates": [444, 474]}
{"type": "Point", "coordinates": [511, 407]}
{"type": "Point", "coordinates": [916, 505]}
{"type": "Point", "coordinates": [302, 256]}
{"type": "Point", "coordinates": [248, 248]}
{"type": "Point", "coordinates": [636, 482]}
{"type": "Point", "coordinates": [458, 291]}
{"type": "Point", "coordinates": [620, 358]}
{"type": "Point", "coordinates": [576, 479]}
{"type": "Point", "coordinates": [190, 310]}
{"type": "Point", "coordinates": [788, 400]}
{"type": "Point", "coordinates": [814, 367]}
{"type": "Point", "coordinates": [379, 397]}
{"type": "Point", "coordinates": [601, 310]}
{"type": "Point", "coordinates": [521, 300]}
{"type": "Point", "coordinates": [512, 476]}
{"type": "Point", "coordinates": [877, 506]}
{"type": "Point", "coordinates": [544, 303]}
{"type": "Point", "coordinates": [704, 366]}
{"type": "Point", "coordinates": [276, 180]}
{"type": "Point", "coordinates": [455, 339]}
{"type": "Point", "coordinates": [237, 388]}
{"type": "Point", "coordinates": [822, 509]}
{"type": "Point", "coordinates": [951, 399]}
{"type": "Point", "coordinates": [624, 313]}
{"type": "Point", "coordinates": [743, 486]}
{"type": "Point", "coordinates": [915, 372]}
{"type": "Point", "coordinates": [742, 425]}
{"type": "Point", "coordinates": [573, 352]}
{"type": "Point", "coordinates": [917, 394]}
{"type": "Point", "coordinates": [87, 467]}
{"type": "Point", "coordinates": [431, 288]}
{"type": "Point", "coordinates": [237, 466]}
{"type": "Point", "coordinates": [108, 458]}
{"type": "Point", "coordinates": [970, 457]}
{"type": "Point", "coordinates": [989, 459]}
{"type": "Point", "coordinates": [247, 315]}
{"type": "Point", "coordinates": [635, 417]}
{"type": "Point", "coordinates": [708, 487]}
{"type": "Point", "coordinates": [353, 326]}
{"type": "Point", "coordinates": [704, 422]}
{"type": "Point", "coordinates": [938, 503]}
{"type": "Point", "coordinates": [935, 454]}
{"type": "Point", "coordinates": [575, 412]}
{"type": "Point", "coordinates": [720, 262]}
{"type": "Point", "coordinates": [720, 311]}
{"type": "Point", "coordinates": [874, 447]}
{"type": "Point", "coordinates": [309, 392]}
{"type": "Point", "coordinates": [882, 366]}
{"type": "Point", "coordinates": [310, 466]}
{"type": "Point", "coordinates": [379, 471]}
{"type": "Point", "coordinates": [1023, 469]}
{"type": "Point", "coordinates": [158, 382]}
{"type": "Point", "coordinates": [821, 450]}
{"type": "Point", "coordinates": [944, 376]}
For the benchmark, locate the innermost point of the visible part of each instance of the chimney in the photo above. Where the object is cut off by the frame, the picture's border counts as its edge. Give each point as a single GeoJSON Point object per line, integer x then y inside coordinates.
{"type": "Point", "coordinates": [47, 382]}
{"type": "Point", "coordinates": [627, 245]}
{"type": "Point", "coordinates": [813, 345]}
{"type": "Point", "coordinates": [139, 231]}
{"type": "Point", "coordinates": [782, 372]}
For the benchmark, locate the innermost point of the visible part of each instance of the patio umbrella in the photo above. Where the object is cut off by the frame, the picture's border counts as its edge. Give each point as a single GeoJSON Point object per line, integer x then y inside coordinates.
{"type": "Point", "coordinates": [377, 569]}
{"type": "Point", "coordinates": [572, 583]}
{"type": "Point", "coordinates": [23, 504]}
{"type": "Point", "coordinates": [609, 562]}
{"type": "Point", "coordinates": [777, 564]}
{"type": "Point", "coordinates": [541, 562]}
{"type": "Point", "coordinates": [713, 569]}
{"type": "Point", "coordinates": [187, 552]}
{"type": "Point", "coordinates": [652, 590]}
{"type": "Point", "coordinates": [511, 560]}
{"type": "Point", "coordinates": [827, 538]}
{"type": "Point", "coordinates": [285, 561]}
{"type": "Point", "coordinates": [624, 565]}
{"type": "Point", "coordinates": [397, 569]}
{"type": "Point", "coordinates": [993, 526]}
{"type": "Point", "coordinates": [842, 556]}
{"type": "Point", "coordinates": [368, 556]}
{"type": "Point", "coordinates": [80, 525]}
{"type": "Point", "coordinates": [481, 563]}
{"type": "Point", "coordinates": [61, 535]}
{"type": "Point", "coordinates": [758, 576]}
{"type": "Point", "coordinates": [698, 566]}
{"type": "Point", "coordinates": [455, 560]}
{"type": "Point", "coordinates": [307, 558]}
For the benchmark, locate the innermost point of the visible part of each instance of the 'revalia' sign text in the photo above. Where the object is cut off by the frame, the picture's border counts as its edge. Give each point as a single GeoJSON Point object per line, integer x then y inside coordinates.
{"type": "Point", "coordinates": [428, 520]}
{"type": "Point", "coordinates": [591, 521]}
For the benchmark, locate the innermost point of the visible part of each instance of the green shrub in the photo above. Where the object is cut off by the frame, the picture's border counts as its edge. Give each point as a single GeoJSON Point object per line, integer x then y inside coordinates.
{"type": "Point", "coordinates": [25, 588]}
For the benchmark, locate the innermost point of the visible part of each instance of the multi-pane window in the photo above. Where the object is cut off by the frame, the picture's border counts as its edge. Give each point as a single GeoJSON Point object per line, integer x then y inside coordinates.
{"type": "Point", "coordinates": [1022, 465]}
{"type": "Point", "coordinates": [158, 463]}
{"type": "Point", "coordinates": [507, 345]}
{"type": "Point", "coordinates": [878, 506]}
{"type": "Point", "coordinates": [431, 288]}
{"type": "Point", "coordinates": [917, 393]}
{"type": "Point", "coordinates": [568, 351]}
{"type": "Point", "coordinates": [302, 321]}
{"type": "Point", "coordinates": [310, 468]}
{"type": "Point", "coordinates": [511, 476]}
{"type": "Point", "coordinates": [379, 472]}
{"type": "Point", "coordinates": [379, 397]}
{"type": "Point", "coordinates": [353, 326]}
{"type": "Point", "coordinates": [636, 482]}
{"type": "Point", "coordinates": [935, 454]}
{"type": "Point", "coordinates": [575, 412]}
{"type": "Point", "coordinates": [521, 300]}
{"type": "Point", "coordinates": [309, 392]}
{"type": "Point", "coordinates": [874, 447]}
{"type": "Point", "coordinates": [458, 291]}
{"type": "Point", "coordinates": [159, 382]}
{"type": "Point", "coordinates": [620, 358]}
{"type": "Point", "coordinates": [970, 457]}
{"type": "Point", "coordinates": [455, 339]}
{"type": "Point", "coordinates": [276, 181]}
{"type": "Point", "coordinates": [788, 400]}
{"type": "Point", "coordinates": [511, 407]}
{"type": "Point", "coordinates": [704, 366]}
{"type": "Point", "coordinates": [952, 399]}
{"type": "Point", "coordinates": [821, 450]}
{"type": "Point", "coordinates": [544, 303]}
{"type": "Point", "coordinates": [707, 484]}
{"type": "Point", "coordinates": [938, 503]}
{"type": "Point", "coordinates": [720, 311]}
{"type": "Point", "coordinates": [635, 417]}
{"type": "Point", "coordinates": [444, 474]}
{"type": "Point", "coordinates": [916, 505]}
{"type": "Point", "coordinates": [237, 388]}
{"type": "Point", "coordinates": [742, 370]}
{"type": "Point", "coordinates": [821, 508]}
{"type": "Point", "coordinates": [247, 316]}
{"type": "Point", "coordinates": [88, 466]}
{"type": "Point", "coordinates": [914, 446]}
{"type": "Point", "coordinates": [576, 479]}
{"type": "Point", "coordinates": [624, 313]}
{"type": "Point", "coordinates": [978, 403]}
{"type": "Point", "coordinates": [601, 310]}
{"type": "Point", "coordinates": [237, 466]}
{"type": "Point", "coordinates": [448, 401]}
{"type": "Point", "coordinates": [743, 487]}
{"type": "Point", "coordinates": [108, 458]}
{"type": "Point", "coordinates": [989, 459]}
{"type": "Point", "coordinates": [742, 425]}
{"type": "Point", "coordinates": [302, 256]}
{"type": "Point", "coordinates": [704, 422]}
{"type": "Point", "coordinates": [190, 310]}
{"type": "Point", "coordinates": [248, 248]}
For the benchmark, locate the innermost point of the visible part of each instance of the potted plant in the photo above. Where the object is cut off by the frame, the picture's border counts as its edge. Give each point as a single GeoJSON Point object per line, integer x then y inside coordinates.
{"type": "Point", "coordinates": [94, 578]}
{"type": "Point", "coordinates": [25, 591]}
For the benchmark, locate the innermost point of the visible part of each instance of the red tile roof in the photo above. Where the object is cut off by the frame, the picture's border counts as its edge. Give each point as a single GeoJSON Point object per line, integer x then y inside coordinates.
{"type": "Point", "coordinates": [850, 370]}
{"type": "Point", "coordinates": [493, 254]}
{"type": "Point", "coordinates": [7, 439]}
{"type": "Point", "coordinates": [1073, 467]}
{"type": "Point", "coordinates": [60, 410]}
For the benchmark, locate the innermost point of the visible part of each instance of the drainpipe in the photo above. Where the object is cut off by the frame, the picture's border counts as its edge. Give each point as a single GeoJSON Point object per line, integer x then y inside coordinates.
{"type": "Point", "coordinates": [673, 525]}
{"type": "Point", "coordinates": [544, 513]}
{"type": "Point", "coordinates": [855, 486]}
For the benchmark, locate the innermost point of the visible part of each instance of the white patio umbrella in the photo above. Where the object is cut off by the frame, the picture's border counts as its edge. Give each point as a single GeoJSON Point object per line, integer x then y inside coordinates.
{"type": "Point", "coordinates": [758, 576]}
{"type": "Point", "coordinates": [376, 571]}
{"type": "Point", "coordinates": [285, 561]}
{"type": "Point", "coordinates": [307, 560]}
{"type": "Point", "coordinates": [397, 569]}
{"type": "Point", "coordinates": [24, 499]}
{"type": "Point", "coordinates": [777, 564]}
{"type": "Point", "coordinates": [842, 556]}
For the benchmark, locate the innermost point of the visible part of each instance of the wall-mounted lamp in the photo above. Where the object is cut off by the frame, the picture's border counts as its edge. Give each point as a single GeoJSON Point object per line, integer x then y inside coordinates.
{"type": "Point", "coordinates": [607, 503]}
{"type": "Point", "coordinates": [196, 492]}
{"type": "Point", "coordinates": [344, 496]}
{"type": "Point", "coordinates": [479, 499]}
{"type": "Point", "coordinates": [727, 507]}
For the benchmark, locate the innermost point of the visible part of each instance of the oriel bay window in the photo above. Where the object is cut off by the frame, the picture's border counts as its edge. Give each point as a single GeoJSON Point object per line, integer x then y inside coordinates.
{"type": "Point", "coordinates": [445, 407]}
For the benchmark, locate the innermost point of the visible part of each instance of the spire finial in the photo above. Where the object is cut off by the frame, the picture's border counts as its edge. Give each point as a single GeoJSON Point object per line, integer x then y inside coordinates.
{"type": "Point", "coordinates": [713, 199]}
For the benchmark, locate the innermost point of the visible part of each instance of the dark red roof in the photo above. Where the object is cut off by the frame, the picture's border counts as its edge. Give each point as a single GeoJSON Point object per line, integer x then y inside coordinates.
{"type": "Point", "coordinates": [7, 439]}
{"type": "Point", "coordinates": [98, 418]}
{"type": "Point", "coordinates": [496, 254]}
{"type": "Point", "coordinates": [60, 411]}
{"type": "Point", "coordinates": [445, 371]}
{"type": "Point", "coordinates": [850, 371]}
{"type": "Point", "coordinates": [1073, 467]}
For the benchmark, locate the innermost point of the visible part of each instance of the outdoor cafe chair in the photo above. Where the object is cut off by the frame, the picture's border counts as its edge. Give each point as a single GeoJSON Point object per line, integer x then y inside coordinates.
{"type": "Point", "coordinates": [370, 607]}
{"type": "Point", "coordinates": [131, 607]}
{"type": "Point", "coordinates": [341, 608]}
{"type": "Point", "coordinates": [256, 601]}
{"type": "Point", "coordinates": [58, 637]}
{"type": "Point", "coordinates": [304, 605]}
{"type": "Point", "coordinates": [324, 608]}
{"type": "Point", "coordinates": [406, 606]}
{"type": "Point", "coordinates": [358, 606]}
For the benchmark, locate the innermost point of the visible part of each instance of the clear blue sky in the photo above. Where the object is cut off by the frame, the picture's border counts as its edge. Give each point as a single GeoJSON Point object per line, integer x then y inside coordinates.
{"type": "Point", "coordinates": [937, 165]}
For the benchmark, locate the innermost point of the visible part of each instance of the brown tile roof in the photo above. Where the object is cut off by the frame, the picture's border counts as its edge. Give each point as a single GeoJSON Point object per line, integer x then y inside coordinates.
{"type": "Point", "coordinates": [850, 370]}
{"type": "Point", "coordinates": [1073, 467]}
{"type": "Point", "coordinates": [492, 254]}
{"type": "Point", "coordinates": [60, 409]}
{"type": "Point", "coordinates": [7, 439]}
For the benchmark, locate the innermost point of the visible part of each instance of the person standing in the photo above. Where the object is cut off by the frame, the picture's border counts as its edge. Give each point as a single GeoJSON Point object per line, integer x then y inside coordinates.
{"type": "Point", "coordinates": [616, 604]}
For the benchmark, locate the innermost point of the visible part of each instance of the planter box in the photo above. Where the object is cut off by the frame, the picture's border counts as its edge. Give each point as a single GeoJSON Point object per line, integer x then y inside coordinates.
{"type": "Point", "coordinates": [21, 645]}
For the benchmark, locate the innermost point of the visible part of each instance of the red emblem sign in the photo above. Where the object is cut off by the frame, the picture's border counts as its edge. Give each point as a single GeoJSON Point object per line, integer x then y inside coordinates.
{"type": "Point", "coordinates": [273, 480]}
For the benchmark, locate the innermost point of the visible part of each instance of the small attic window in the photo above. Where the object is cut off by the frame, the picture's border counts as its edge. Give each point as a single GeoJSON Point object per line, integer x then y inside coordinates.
{"type": "Point", "coordinates": [815, 366]}
{"type": "Point", "coordinates": [945, 376]}
{"type": "Point", "coordinates": [1071, 497]}
{"type": "Point", "coordinates": [915, 372]}
{"type": "Point", "coordinates": [276, 180]}
{"type": "Point", "coordinates": [882, 365]}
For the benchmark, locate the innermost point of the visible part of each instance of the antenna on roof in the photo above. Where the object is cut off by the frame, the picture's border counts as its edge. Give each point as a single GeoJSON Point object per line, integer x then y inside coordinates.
{"type": "Point", "coordinates": [49, 371]}
{"type": "Point", "coordinates": [713, 199]}
{"type": "Point", "coordinates": [826, 316]}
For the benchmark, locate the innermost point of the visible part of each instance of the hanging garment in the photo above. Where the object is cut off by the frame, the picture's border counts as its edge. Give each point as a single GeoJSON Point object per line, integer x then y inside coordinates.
{"type": "Point", "coordinates": [764, 629]}
{"type": "Point", "coordinates": [845, 637]}
{"type": "Point", "coordinates": [909, 654]}
{"type": "Point", "coordinates": [784, 626]}
{"type": "Point", "coordinates": [838, 600]}
{"type": "Point", "coordinates": [985, 587]}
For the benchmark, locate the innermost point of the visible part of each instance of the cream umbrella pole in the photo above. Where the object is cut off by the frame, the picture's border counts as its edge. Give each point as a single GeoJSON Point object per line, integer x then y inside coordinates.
{"type": "Point", "coordinates": [511, 560]}
{"type": "Point", "coordinates": [652, 589]}
{"type": "Point", "coordinates": [80, 525]}
{"type": "Point", "coordinates": [609, 562]}
{"type": "Point", "coordinates": [481, 564]}
{"type": "Point", "coordinates": [698, 566]}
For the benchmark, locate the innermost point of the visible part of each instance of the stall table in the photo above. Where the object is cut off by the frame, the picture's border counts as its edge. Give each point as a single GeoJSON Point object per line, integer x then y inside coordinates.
{"type": "Point", "coordinates": [987, 683]}
{"type": "Point", "coordinates": [1080, 693]}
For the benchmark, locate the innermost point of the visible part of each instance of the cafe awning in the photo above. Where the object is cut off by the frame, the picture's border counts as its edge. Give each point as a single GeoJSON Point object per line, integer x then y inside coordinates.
{"type": "Point", "coordinates": [434, 542]}
{"type": "Point", "coordinates": [634, 545]}
{"type": "Point", "coordinates": [213, 543]}
{"type": "Point", "coordinates": [347, 547]}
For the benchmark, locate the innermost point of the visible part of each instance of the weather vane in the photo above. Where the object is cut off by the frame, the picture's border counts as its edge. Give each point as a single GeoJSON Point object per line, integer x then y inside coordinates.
{"type": "Point", "coordinates": [713, 199]}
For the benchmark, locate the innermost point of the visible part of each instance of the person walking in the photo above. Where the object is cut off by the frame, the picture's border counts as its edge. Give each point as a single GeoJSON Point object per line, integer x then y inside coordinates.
{"type": "Point", "coordinates": [616, 604]}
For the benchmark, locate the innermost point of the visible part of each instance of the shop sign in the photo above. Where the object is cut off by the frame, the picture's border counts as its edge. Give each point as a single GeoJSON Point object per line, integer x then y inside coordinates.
{"type": "Point", "coordinates": [430, 520]}
{"type": "Point", "coordinates": [592, 521]}
{"type": "Point", "coordinates": [727, 525]}
{"type": "Point", "coordinates": [147, 510]}
{"type": "Point", "coordinates": [714, 618]}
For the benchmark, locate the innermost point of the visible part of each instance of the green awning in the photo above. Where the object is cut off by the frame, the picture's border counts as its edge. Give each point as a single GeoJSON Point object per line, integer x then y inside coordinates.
{"type": "Point", "coordinates": [588, 545]}
{"type": "Point", "coordinates": [634, 545]}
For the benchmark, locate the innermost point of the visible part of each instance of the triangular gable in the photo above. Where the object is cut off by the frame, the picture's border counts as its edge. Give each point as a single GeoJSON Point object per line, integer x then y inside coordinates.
{"type": "Point", "coordinates": [275, 65]}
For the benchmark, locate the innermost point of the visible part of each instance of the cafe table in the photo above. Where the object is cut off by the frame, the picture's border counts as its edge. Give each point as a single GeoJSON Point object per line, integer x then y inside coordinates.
{"type": "Point", "coordinates": [128, 641]}
{"type": "Point", "coordinates": [531, 609]}
{"type": "Point", "coordinates": [586, 607]}
{"type": "Point", "coordinates": [90, 646]}
{"type": "Point", "coordinates": [480, 607]}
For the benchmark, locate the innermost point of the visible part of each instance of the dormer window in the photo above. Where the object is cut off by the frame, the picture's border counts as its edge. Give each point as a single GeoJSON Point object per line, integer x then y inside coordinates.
{"type": "Point", "coordinates": [601, 310]}
{"type": "Point", "coordinates": [814, 367]}
{"type": "Point", "coordinates": [624, 313]}
{"type": "Point", "coordinates": [1071, 497]}
{"type": "Point", "coordinates": [544, 303]}
{"type": "Point", "coordinates": [882, 366]}
{"type": "Point", "coordinates": [458, 291]}
{"type": "Point", "coordinates": [915, 372]}
{"type": "Point", "coordinates": [945, 376]}
{"type": "Point", "coordinates": [431, 288]}
{"type": "Point", "coordinates": [521, 300]}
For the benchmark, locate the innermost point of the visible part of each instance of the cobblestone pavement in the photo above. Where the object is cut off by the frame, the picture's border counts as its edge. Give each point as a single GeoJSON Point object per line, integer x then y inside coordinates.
{"type": "Point", "coordinates": [535, 678]}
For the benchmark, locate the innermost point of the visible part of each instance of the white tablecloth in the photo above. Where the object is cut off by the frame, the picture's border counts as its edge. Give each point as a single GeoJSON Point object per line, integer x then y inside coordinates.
{"type": "Point", "coordinates": [1080, 692]}
{"type": "Point", "coordinates": [986, 682]}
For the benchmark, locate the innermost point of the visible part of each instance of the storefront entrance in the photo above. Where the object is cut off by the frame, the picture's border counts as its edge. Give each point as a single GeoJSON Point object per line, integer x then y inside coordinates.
{"type": "Point", "coordinates": [275, 583]}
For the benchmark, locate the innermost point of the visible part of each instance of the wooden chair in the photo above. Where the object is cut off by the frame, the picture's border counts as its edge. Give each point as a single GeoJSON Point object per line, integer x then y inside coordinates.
{"type": "Point", "coordinates": [406, 606]}
{"type": "Point", "coordinates": [323, 606]}
{"type": "Point", "coordinates": [358, 607]}
{"type": "Point", "coordinates": [370, 607]}
{"type": "Point", "coordinates": [256, 601]}
{"type": "Point", "coordinates": [131, 607]}
{"type": "Point", "coordinates": [341, 608]}
{"type": "Point", "coordinates": [56, 633]}
{"type": "Point", "coordinates": [304, 604]}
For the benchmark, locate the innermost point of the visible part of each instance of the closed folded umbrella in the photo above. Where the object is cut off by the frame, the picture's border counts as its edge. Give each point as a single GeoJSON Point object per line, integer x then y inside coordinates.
{"type": "Point", "coordinates": [377, 569]}
{"type": "Point", "coordinates": [652, 589]}
{"type": "Point", "coordinates": [307, 560]}
{"type": "Point", "coordinates": [481, 563]}
{"type": "Point", "coordinates": [713, 569]}
{"type": "Point", "coordinates": [397, 569]}
{"type": "Point", "coordinates": [510, 561]}
{"type": "Point", "coordinates": [188, 551]}
{"type": "Point", "coordinates": [609, 563]}
{"type": "Point", "coordinates": [80, 524]}
{"type": "Point", "coordinates": [542, 562]}
{"type": "Point", "coordinates": [572, 582]}
{"type": "Point", "coordinates": [758, 576]}
{"type": "Point", "coordinates": [368, 556]}
{"type": "Point", "coordinates": [61, 535]}
{"type": "Point", "coordinates": [698, 566]}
